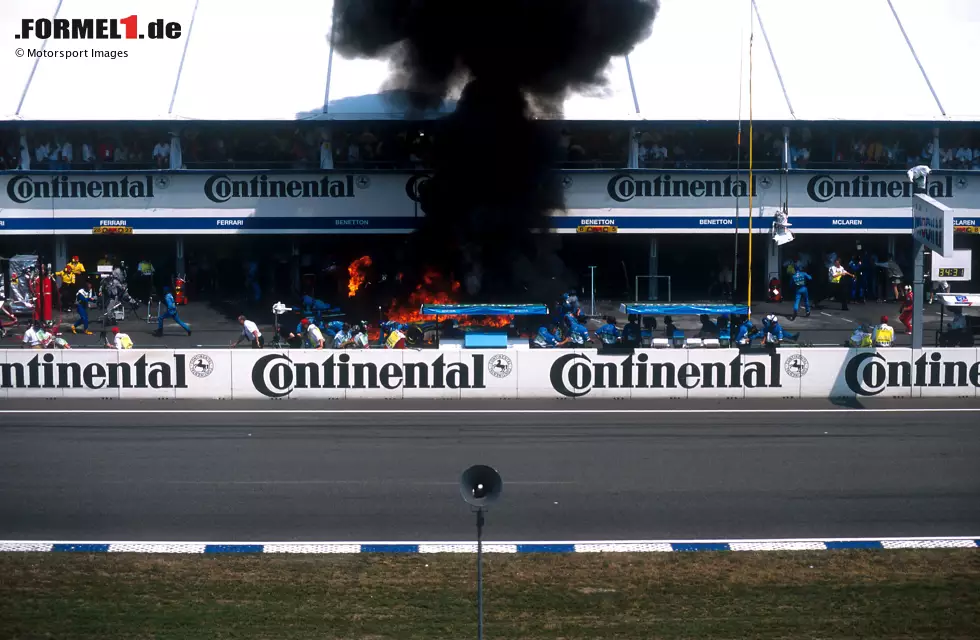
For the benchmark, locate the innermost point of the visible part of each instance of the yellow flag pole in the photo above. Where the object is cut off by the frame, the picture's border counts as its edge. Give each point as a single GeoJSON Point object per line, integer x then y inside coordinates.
{"type": "Point", "coordinates": [751, 37]}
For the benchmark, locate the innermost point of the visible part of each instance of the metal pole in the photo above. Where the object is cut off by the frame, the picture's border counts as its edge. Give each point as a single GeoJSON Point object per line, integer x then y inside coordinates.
{"type": "Point", "coordinates": [670, 298]}
{"type": "Point", "coordinates": [479, 573]}
{"type": "Point", "coordinates": [592, 272]}
{"type": "Point", "coordinates": [918, 295]}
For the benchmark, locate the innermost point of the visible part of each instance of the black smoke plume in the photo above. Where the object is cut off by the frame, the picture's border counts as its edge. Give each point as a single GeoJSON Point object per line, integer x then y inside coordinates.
{"type": "Point", "coordinates": [493, 178]}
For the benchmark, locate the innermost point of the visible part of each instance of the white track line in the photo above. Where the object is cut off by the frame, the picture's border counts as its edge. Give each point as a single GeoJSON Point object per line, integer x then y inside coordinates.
{"type": "Point", "coordinates": [565, 411]}
{"type": "Point", "coordinates": [470, 542]}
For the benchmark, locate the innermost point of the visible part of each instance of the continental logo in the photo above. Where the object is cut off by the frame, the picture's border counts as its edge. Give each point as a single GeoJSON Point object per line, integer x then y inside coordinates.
{"type": "Point", "coordinates": [825, 187]}
{"type": "Point", "coordinates": [21, 189]}
{"type": "Point", "coordinates": [276, 375]}
{"type": "Point", "coordinates": [870, 374]}
{"type": "Point", "coordinates": [623, 187]}
{"type": "Point", "coordinates": [415, 186]}
{"type": "Point", "coordinates": [223, 188]}
{"type": "Point", "coordinates": [575, 375]}
{"type": "Point", "coordinates": [42, 372]}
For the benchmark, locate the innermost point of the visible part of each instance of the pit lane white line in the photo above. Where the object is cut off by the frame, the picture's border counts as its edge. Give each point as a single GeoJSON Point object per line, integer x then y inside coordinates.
{"type": "Point", "coordinates": [564, 411]}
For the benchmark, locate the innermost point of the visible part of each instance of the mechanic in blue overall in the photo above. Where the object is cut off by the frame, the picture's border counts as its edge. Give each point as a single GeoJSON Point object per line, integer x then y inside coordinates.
{"type": "Point", "coordinates": [773, 332]}
{"type": "Point", "coordinates": [316, 307]}
{"type": "Point", "coordinates": [746, 333]}
{"type": "Point", "coordinates": [856, 267]}
{"type": "Point", "coordinates": [546, 338]}
{"type": "Point", "coordinates": [252, 289]}
{"type": "Point", "coordinates": [800, 278]}
{"type": "Point", "coordinates": [171, 312]}
{"type": "Point", "coordinates": [577, 332]}
{"type": "Point", "coordinates": [608, 333]}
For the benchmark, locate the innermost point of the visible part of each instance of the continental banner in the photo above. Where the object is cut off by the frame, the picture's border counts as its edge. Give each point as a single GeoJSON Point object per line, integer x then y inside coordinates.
{"type": "Point", "coordinates": [213, 203]}
{"type": "Point", "coordinates": [463, 374]}
{"type": "Point", "coordinates": [606, 202]}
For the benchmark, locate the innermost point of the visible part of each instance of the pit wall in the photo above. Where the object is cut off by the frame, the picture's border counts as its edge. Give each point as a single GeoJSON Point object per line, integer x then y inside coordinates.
{"type": "Point", "coordinates": [565, 373]}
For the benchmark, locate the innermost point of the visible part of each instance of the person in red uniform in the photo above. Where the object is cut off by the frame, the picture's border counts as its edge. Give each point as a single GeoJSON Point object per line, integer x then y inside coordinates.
{"type": "Point", "coordinates": [905, 313]}
{"type": "Point", "coordinates": [43, 290]}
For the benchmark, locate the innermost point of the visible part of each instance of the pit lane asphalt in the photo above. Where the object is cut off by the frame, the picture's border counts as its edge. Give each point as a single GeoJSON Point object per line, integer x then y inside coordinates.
{"type": "Point", "coordinates": [573, 470]}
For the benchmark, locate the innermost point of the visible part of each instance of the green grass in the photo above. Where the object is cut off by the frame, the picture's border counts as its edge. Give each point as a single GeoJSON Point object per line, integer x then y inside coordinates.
{"type": "Point", "coordinates": [826, 594]}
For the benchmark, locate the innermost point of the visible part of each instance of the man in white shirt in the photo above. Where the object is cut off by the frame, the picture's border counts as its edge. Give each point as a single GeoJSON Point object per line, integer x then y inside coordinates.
{"type": "Point", "coordinates": [250, 331]}
{"type": "Point", "coordinates": [54, 156]}
{"type": "Point", "coordinates": [88, 155]}
{"type": "Point", "coordinates": [36, 338]}
{"type": "Point", "coordinates": [161, 154]}
{"type": "Point", "coordinates": [121, 340]}
{"type": "Point", "coordinates": [41, 152]}
{"type": "Point", "coordinates": [964, 157]}
{"type": "Point", "coordinates": [326, 155]}
{"type": "Point", "coordinates": [314, 338]}
{"type": "Point", "coordinates": [839, 285]}
{"type": "Point", "coordinates": [25, 159]}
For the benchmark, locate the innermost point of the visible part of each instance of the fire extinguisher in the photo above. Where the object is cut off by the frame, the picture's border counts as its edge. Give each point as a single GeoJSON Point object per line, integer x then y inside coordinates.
{"type": "Point", "coordinates": [180, 295]}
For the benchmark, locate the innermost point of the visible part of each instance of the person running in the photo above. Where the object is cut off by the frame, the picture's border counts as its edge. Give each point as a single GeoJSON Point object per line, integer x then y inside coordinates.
{"type": "Point", "coordinates": [83, 297]}
{"type": "Point", "coordinates": [800, 279]}
{"type": "Point", "coordinates": [905, 312]}
{"type": "Point", "coordinates": [171, 312]}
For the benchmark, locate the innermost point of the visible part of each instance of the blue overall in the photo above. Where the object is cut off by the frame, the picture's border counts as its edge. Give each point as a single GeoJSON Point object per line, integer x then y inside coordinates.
{"type": "Point", "coordinates": [578, 332]}
{"type": "Point", "coordinates": [171, 312]}
{"type": "Point", "coordinates": [81, 305]}
{"type": "Point", "coordinates": [743, 333]}
{"type": "Point", "coordinates": [252, 281]}
{"type": "Point", "coordinates": [545, 338]}
{"type": "Point", "coordinates": [608, 333]}
{"type": "Point", "coordinates": [800, 279]}
{"type": "Point", "coordinates": [777, 331]}
{"type": "Point", "coordinates": [857, 282]}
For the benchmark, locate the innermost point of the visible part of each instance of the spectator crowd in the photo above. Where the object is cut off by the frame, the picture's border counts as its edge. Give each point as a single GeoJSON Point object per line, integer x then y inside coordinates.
{"type": "Point", "coordinates": [399, 146]}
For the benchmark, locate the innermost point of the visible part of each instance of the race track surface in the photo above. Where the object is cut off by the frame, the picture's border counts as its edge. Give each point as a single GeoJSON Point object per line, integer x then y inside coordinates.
{"type": "Point", "coordinates": [572, 470]}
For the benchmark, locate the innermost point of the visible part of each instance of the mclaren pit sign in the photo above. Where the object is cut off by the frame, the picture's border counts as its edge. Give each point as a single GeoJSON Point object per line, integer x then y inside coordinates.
{"type": "Point", "coordinates": [932, 224]}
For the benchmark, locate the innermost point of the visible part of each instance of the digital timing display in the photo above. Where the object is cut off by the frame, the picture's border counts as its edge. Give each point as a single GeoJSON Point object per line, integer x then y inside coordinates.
{"type": "Point", "coordinates": [951, 272]}
{"type": "Point", "coordinates": [119, 231]}
{"type": "Point", "coordinates": [597, 229]}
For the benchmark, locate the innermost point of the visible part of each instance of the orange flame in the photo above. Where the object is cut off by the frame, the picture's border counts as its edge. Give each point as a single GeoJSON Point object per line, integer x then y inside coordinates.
{"type": "Point", "coordinates": [357, 276]}
{"type": "Point", "coordinates": [435, 290]}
